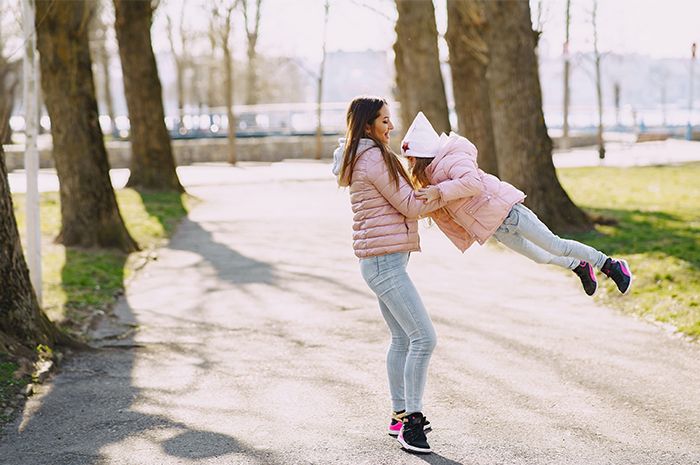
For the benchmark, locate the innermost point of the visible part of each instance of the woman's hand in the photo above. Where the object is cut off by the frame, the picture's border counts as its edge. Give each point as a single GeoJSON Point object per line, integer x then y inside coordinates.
{"type": "Point", "coordinates": [428, 194]}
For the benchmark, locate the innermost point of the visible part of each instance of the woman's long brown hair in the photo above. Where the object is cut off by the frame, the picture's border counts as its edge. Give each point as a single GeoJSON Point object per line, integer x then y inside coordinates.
{"type": "Point", "coordinates": [361, 112]}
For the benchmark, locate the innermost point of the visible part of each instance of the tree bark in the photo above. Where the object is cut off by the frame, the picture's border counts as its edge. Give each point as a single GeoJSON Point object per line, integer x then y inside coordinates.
{"type": "Point", "coordinates": [523, 145]}
{"type": "Point", "coordinates": [469, 57]}
{"type": "Point", "coordinates": [21, 320]}
{"type": "Point", "coordinates": [418, 76]}
{"type": "Point", "coordinates": [89, 211]}
{"type": "Point", "coordinates": [152, 161]}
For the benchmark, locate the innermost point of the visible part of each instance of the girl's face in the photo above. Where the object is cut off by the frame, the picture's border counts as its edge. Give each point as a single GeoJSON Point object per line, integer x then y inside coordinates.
{"type": "Point", "coordinates": [381, 126]}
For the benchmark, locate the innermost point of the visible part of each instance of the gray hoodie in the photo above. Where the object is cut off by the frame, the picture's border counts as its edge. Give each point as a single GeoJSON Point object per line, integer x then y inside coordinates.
{"type": "Point", "coordinates": [338, 152]}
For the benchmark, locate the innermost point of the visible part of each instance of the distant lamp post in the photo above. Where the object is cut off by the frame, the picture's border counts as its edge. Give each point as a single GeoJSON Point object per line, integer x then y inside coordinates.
{"type": "Point", "coordinates": [689, 132]}
{"type": "Point", "coordinates": [30, 98]}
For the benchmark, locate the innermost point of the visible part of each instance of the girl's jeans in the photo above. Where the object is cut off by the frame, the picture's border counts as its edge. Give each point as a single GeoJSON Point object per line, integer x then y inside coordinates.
{"type": "Point", "coordinates": [523, 232]}
{"type": "Point", "coordinates": [412, 334]}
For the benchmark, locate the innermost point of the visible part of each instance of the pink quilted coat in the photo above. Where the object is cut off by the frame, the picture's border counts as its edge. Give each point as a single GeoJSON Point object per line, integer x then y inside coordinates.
{"type": "Point", "coordinates": [477, 202]}
{"type": "Point", "coordinates": [385, 217]}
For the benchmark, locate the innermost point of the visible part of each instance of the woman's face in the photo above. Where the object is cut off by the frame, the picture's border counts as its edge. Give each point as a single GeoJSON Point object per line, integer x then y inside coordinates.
{"type": "Point", "coordinates": [381, 126]}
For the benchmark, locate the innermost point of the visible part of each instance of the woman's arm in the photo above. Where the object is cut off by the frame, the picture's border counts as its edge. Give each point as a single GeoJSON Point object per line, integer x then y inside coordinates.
{"type": "Point", "coordinates": [402, 198]}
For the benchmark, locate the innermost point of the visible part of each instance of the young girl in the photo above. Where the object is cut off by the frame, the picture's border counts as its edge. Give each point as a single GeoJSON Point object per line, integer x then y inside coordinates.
{"type": "Point", "coordinates": [480, 205]}
{"type": "Point", "coordinates": [385, 232]}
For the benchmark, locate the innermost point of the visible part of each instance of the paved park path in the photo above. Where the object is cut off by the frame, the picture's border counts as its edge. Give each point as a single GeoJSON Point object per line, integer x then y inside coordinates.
{"type": "Point", "coordinates": [254, 340]}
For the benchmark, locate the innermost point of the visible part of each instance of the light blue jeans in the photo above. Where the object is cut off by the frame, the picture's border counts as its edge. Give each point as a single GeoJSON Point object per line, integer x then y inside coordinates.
{"type": "Point", "coordinates": [412, 334]}
{"type": "Point", "coordinates": [524, 233]}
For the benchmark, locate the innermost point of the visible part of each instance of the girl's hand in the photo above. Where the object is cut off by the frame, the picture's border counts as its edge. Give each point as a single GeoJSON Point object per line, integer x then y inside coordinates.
{"type": "Point", "coordinates": [428, 193]}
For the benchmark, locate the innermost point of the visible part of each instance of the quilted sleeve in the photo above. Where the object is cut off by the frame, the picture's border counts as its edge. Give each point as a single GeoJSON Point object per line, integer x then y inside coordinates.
{"type": "Point", "coordinates": [403, 198]}
{"type": "Point", "coordinates": [463, 178]}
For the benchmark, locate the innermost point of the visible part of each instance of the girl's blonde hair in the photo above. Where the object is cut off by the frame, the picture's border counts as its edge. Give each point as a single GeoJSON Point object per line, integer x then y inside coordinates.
{"type": "Point", "coordinates": [361, 112]}
{"type": "Point", "coordinates": [418, 176]}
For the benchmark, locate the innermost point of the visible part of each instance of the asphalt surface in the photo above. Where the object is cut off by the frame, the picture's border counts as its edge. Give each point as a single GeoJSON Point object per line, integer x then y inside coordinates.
{"type": "Point", "coordinates": [252, 339]}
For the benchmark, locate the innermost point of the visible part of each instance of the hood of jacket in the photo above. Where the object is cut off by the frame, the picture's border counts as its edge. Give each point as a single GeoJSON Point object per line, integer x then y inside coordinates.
{"type": "Point", "coordinates": [452, 144]}
{"type": "Point", "coordinates": [338, 152]}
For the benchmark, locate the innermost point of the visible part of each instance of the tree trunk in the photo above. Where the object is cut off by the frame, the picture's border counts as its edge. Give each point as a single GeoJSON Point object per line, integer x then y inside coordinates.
{"type": "Point", "coordinates": [469, 59]}
{"type": "Point", "coordinates": [598, 83]}
{"type": "Point", "coordinates": [9, 80]}
{"type": "Point", "coordinates": [523, 145]}
{"type": "Point", "coordinates": [90, 216]}
{"type": "Point", "coordinates": [418, 75]}
{"type": "Point", "coordinates": [21, 320]}
{"type": "Point", "coordinates": [567, 95]}
{"type": "Point", "coordinates": [252, 36]}
{"type": "Point", "coordinates": [319, 89]}
{"type": "Point", "coordinates": [228, 93]}
{"type": "Point", "coordinates": [152, 162]}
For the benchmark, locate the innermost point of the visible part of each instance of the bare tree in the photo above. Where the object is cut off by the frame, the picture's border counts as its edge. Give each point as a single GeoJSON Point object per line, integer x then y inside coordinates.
{"type": "Point", "coordinates": [89, 213]}
{"type": "Point", "coordinates": [100, 19]}
{"type": "Point", "coordinates": [222, 15]}
{"type": "Point", "coordinates": [567, 67]}
{"type": "Point", "coordinates": [252, 30]}
{"type": "Point", "coordinates": [179, 48]}
{"type": "Point", "coordinates": [469, 57]}
{"type": "Point", "coordinates": [524, 148]}
{"type": "Point", "coordinates": [9, 68]}
{"type": "Point", "coordinates": [598, 81]}
{"type": "Point", "coordinates": [152, 161]}
{"type": "Point", "coordinates": [22, 323]}
{"type": "Point", "coordinates": [319, 94]}
{"type": "Point", "coordinates": [418, 76]}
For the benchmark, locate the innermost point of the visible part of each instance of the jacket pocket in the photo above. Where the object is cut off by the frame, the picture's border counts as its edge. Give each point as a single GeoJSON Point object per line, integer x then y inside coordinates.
{"type": "Point", "coordinates": [475, 204]}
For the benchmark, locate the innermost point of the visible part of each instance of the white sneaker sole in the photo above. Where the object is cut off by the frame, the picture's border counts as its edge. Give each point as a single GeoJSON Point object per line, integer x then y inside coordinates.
{"type": "Point", "coordinates": [411, 448]}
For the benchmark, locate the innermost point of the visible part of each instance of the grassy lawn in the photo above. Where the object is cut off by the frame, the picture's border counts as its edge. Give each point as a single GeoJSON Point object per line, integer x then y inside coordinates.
{"type": "Point", "coordinates": [78, 282]}
{"type": "Point", "coordinates": [657, 213]}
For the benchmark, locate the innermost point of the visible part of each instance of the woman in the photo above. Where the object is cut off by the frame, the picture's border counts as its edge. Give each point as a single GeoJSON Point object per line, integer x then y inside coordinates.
{"type": "Point", "coordinates": [385, 232]}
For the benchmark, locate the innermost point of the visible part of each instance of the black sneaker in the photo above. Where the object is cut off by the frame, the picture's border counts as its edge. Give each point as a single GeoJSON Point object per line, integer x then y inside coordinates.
{"type": "Point", "coordinates": [412, 434]}
{"type": "Point", "coordinates": [397, 422]}
{"type": "Point", "coordinates": [587, 276]}
{"type": "Point", "coordinates": [619, 272]}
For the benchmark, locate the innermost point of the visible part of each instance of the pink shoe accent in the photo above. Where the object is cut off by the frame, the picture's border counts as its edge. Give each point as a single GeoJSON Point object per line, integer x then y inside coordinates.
{"type": "Point", "coordinates": [591, 273]}
{"type": "Point", "coordinates": [623, 267]}
{"type": "Point", "coordinates": [395, 429]}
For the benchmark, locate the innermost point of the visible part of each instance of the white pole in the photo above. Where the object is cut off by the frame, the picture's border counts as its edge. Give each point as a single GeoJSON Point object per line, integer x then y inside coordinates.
{"type": "Point", "coordinates": [31, 155]}
{"type": "Point", "coordinates": [689, 129]}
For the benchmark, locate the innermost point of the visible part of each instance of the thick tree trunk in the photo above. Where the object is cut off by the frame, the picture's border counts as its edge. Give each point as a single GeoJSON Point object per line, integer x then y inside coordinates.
{"type": "Point", "coordinates": [523, 145]}
{"type": "Point", "coordinates": [21, 320]}
{"type": "Point", "coordinates": [152, 162]}
{"type": "Point", "coordinates": [469, 57]}
{"type": "Point", "coordinates": [418, 75]}
{"type": "Point", "coordinates": [90, 216]}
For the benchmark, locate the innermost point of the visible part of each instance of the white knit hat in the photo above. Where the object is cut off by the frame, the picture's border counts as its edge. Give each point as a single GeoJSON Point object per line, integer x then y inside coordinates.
{"type": "Point", "coordinates": [421, 140]}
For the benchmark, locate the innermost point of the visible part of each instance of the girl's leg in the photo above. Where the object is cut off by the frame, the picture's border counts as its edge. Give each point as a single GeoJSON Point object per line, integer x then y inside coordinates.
{"type": "Point", "coordinates": [518, 243]}
{"type": "Point", "coordinates": [395, 359]}
{"type": "Point", "coordinates": [529, 226]}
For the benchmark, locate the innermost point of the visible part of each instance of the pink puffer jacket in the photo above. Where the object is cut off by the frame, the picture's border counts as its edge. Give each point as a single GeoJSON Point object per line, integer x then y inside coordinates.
{"type": "Point", "coordinates": [477, 202]}
{"type": "Point", "coordinates": [385, 217]}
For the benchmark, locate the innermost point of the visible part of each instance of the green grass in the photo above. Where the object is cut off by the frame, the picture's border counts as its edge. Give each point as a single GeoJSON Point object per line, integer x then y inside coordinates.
{"type": "Point", "coordinates": [657, 214]}
{"type": "Point", "coordinates": [77, 282]}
